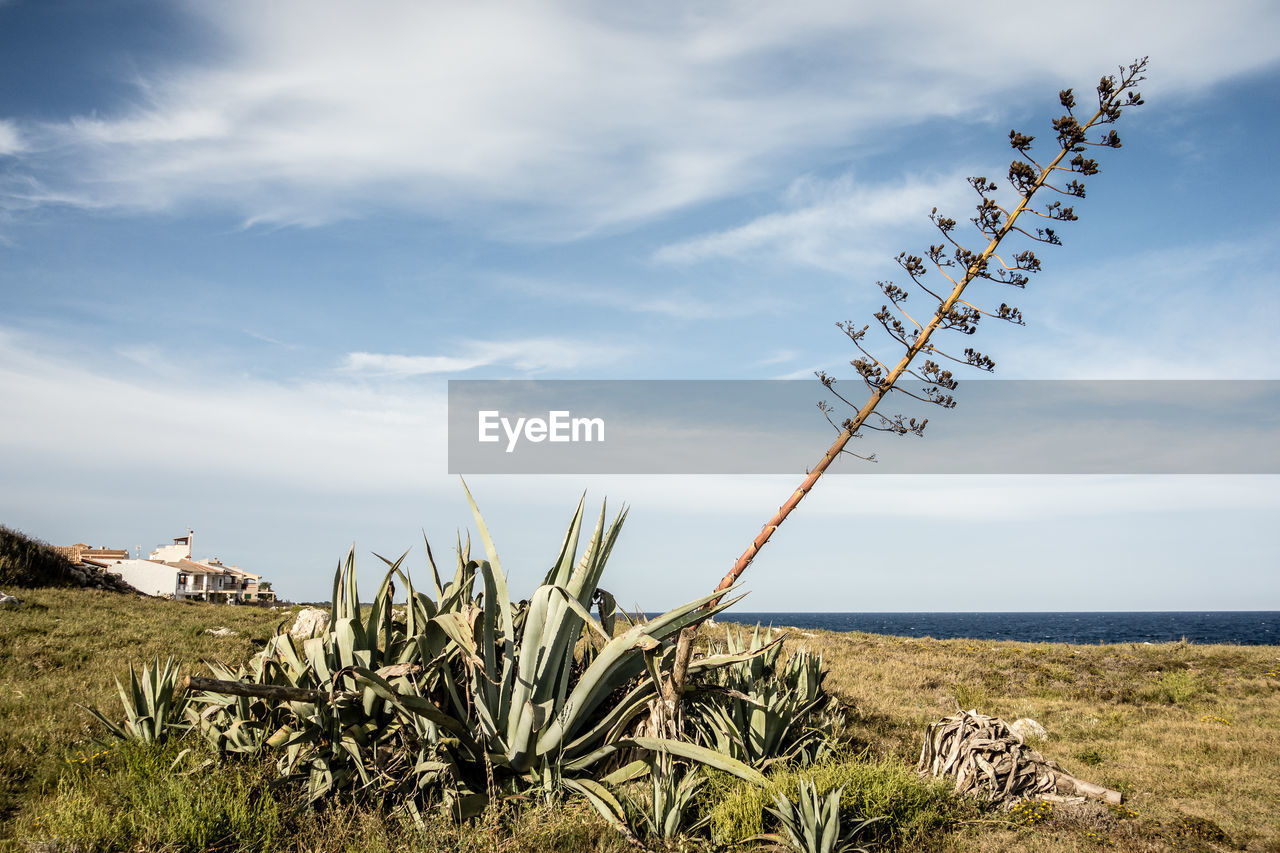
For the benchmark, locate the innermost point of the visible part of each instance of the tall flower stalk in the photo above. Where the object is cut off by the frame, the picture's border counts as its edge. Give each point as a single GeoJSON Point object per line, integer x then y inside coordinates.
{"type": "Point", "coordinates": [959, 267]}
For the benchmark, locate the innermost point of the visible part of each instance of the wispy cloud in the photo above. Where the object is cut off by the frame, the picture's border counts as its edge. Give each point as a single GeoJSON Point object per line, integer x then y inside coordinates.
{"type": "Point", "coordinates": [782, 356]}
{"type": "Point", "coordinates": [532, 355]}
{"type": "Point", "coordinates": [646, 299]}
{"type": "Point", "coordinates": [1172, 313]}
{"type": "Point", "coordinates": [267, 339]}
{"type": "Point", "coordinates": [832, 224]}
{"type": "Point", "coordinates": [549, 119]}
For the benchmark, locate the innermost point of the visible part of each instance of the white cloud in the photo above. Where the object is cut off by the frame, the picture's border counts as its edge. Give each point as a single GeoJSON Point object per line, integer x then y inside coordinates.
{"type": "Point", "coordinates": [577, 117]}
{"type": "Point", "coordinates": [10, 138]}
{"type": "Point", "coordinates": [532, 355]}
{"type": "Point", "coordinates": [175, 423]}
{"type": "Point", "coordinates": [282, 474]}
{"type": "Point", "coordinates": [367, 437]}
{"type": "Point", "coordinates": [979, 499]}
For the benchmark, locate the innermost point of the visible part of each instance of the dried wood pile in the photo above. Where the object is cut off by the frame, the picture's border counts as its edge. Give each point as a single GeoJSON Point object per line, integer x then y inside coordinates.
{"type": "Point", "coordinates": [989, 760]}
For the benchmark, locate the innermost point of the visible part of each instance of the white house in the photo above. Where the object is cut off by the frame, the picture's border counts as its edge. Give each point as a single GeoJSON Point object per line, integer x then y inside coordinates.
{"type": "Point", "coordinates": [143, 575]}
{"type": "Point", "coordinates": [170, 570]}
{"type": "Point", "coordinates": [179, 550]}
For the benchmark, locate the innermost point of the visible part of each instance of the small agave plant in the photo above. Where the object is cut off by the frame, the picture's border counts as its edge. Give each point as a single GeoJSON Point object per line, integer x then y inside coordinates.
{"type": "Point", "coordinates": [153, 708]}
{"type": "Point", "coordinates": [812, 825]}
{"type": "Point", "coordinates": [673, 791]}
{"type": "Point", "coordinates": [764, 710]}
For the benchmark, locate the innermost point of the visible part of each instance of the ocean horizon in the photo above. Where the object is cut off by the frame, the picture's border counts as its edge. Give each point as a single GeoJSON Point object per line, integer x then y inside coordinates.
{"type": "Point", "coordinates": [1202, 627]}
{"type": "Point", "coordinates": [1231, 627]}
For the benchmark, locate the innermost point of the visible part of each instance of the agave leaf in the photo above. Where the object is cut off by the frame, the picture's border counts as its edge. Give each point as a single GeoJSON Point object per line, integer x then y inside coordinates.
{"type": "Point", "coordinates": [617, 663]}
{"type": "Point", "coordinates": [581, 612]}
{"type": "Point", "coordinates": [337, 590]}
{"type": "Point", "coordinates": [606, 672]}
{"type": "Point", "coordinates": [141, 696]}
{"type": "Point", "coordinates": [346, 641]}
{"type": "Point", "coordinates": [380, 614]}
{"type": "Point", "coordinates": [604, 802]}
{"type": "Point", "coordinates": [346, 597]}
{"type": "Point", "coordinates": [281, 646]}
{"type": "Point", "coordinates": [533, 651]}
{"type": "Point", "coordinates": [587, 579]}
{"type": "Point", "coordinates": [317, 655]}
{"type": "Point", "coordinates": [581, 573]}
{"type": "Point", "coordinates": [565, 617]}
{"type": "Point", "coordinates": [435, 573]}
{"type": "Point", "coordinates": [499, 644]}
{"type": "Point", "coordinates": [112, 727]}
{"type": "Point", "coordinates": [611, 726]}
{"type": "Point", "coordinates": [558, 574]}
{"type": "Point", "coordinates": [411, 605]}
{"type": "Point", "coordinates": [608, 610]}
{"type": "Point", "coordinates": [627, 773]}
{"type": "Point", "coordinates": [371, 627]}
{"type": "Point", "coordinates": [652, 663]}
{"type": "Point", "coordinates": [349, 746]}
{"type": "Point", "coordinates": [679, 748]}
{"type": "Point", "coordinates": [489, 548]}
{"type": "Point", "coordinates": [411, 704]}
{"type": "Point", "coordinates": [457, 626]}
{"type": "Point", "coordinates": [679, 618]}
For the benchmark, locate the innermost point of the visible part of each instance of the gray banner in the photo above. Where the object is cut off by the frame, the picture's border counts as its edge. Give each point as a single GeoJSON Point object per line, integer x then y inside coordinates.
{"type": "Point", "coordinates": [775, 427]}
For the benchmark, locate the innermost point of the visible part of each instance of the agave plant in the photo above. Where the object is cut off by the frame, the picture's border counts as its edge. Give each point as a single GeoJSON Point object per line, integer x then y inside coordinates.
{"type": "Point", "coordinates": [762, 710]}
{"type": "Point", "coordinates": [813, 824]}
{"type": "Point", "coordinates": [673, 789]}
{"type": "Point", "coordinates": [153, 709]}
{"type": "Point", "coordinates": [469, 694]}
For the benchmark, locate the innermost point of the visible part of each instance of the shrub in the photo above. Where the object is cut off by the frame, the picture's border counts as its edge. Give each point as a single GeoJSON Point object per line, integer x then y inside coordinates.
{"type": "Point", "coordinates": [1174, 688]}
{"type": "Point", "coordinates": [912, 809]}
{"type": "Point", "coordinates": [28, 562]}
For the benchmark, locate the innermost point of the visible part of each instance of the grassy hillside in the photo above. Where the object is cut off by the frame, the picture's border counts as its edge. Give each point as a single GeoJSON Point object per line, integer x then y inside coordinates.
{"type": "Point", "coordinates": [29, 562]}
{"type": "Point", "coordinates": [1191, 734]}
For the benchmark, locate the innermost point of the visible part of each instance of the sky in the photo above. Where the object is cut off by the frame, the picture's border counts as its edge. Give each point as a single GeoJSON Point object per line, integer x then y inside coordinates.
{"type": "Point", "coordinates": [244, 246]}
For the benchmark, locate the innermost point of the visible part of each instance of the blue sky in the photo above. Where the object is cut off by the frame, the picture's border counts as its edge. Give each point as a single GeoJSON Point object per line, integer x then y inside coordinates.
{"type": "Point", "coordinates": [243, 246]}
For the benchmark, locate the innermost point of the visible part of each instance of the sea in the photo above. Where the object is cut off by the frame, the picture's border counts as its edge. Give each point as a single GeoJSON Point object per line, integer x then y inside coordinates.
{"type": "Point", "coordinates": [1234, 627]}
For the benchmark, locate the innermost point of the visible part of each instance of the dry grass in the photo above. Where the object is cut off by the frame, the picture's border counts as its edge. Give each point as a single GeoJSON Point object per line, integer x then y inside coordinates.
{"type": "Point", "coordinates": [1191, 734]}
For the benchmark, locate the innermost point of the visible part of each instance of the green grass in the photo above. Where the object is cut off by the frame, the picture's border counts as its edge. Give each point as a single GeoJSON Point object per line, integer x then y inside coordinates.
{"type": "Point", "coordinates": [175, 798]}
{"type": "Point", "coordinates": [915, 813]}
{"type": "Point", "coordinates": [64, 647]}
{"type": "Point", "coordinates": [1191, 734]}
{"type": "Point", "coordinates": [137, 796]}
{"type": "Point", "coordinates": [1174, 688]}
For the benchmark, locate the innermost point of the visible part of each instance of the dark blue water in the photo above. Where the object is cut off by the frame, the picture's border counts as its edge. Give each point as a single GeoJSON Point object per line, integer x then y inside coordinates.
{"type": "Point", "coordinates": [1246, 628]}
